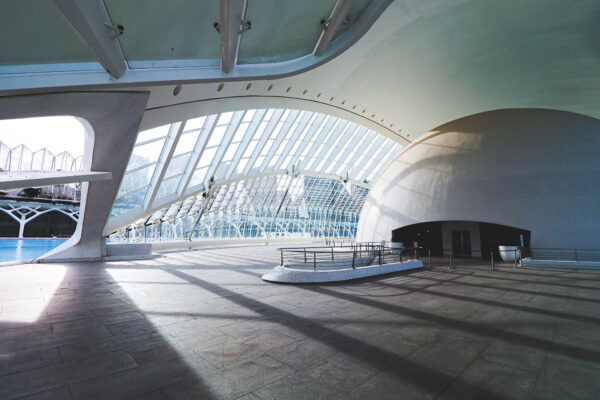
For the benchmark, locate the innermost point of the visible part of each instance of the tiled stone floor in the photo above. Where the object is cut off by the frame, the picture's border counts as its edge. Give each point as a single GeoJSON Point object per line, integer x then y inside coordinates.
{"type": "Point", "coordinates": [202, 325]}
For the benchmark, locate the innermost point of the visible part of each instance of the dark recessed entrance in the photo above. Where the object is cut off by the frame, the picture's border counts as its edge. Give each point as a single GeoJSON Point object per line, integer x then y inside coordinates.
{"type": "Point", "coordinates": [494, 235]}
{"type": "Point", "coordinates": [463, 238]}
{"type": "Point", "coordinates": [461, 243]}
{"type": "Point", "coordinates": [428, 235]}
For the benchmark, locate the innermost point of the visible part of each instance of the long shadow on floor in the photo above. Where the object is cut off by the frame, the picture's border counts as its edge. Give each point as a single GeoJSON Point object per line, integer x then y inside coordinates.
{"type": "Point", "coordinates": [428, 380]}
{"type": "Point", "coordinates": [69, 353]}
{"type": "Point", "coordinates": [567, 350]}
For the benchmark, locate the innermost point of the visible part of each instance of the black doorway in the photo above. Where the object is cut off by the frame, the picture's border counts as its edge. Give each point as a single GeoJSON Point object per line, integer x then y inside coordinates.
{"type": "Point", "coordinates": [428, 235]}
{"type": "Point", "coordinates": [461, 244]}
{"type": "Point", "coordinates": [494, 235]}
{"type": "Point", "coordinates": [464, 243]}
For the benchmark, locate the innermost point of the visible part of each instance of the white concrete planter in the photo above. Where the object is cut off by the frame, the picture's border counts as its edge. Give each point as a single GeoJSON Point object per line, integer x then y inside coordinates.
{"type": "Point", "coordinates": [508, 253]}
{"type": "Point", "coordinates": [283, 274]}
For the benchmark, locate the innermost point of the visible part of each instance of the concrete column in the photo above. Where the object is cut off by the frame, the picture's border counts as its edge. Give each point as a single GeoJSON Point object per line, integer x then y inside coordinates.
{"type": "Point", "coordinates": [112, 121]}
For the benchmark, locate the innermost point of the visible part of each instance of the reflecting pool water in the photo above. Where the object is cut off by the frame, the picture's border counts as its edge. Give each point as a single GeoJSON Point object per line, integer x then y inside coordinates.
{"type": "Point", "coordinates": [26, 249]}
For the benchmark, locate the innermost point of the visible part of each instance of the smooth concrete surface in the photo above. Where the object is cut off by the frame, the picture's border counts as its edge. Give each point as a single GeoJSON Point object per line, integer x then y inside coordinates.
{"type": "Point", "coordinates": [284, 274]}
{"type": "Point", "coordinates": [111, 121]}
{"type": "Point", "coordinates": [426, 62]}
{"type": "Point", "coordinates": [203, 325]}
{"type": "Point", "coordinates": [128, 249]}
{"type": "Point", "coordinates": [423, 63]}
{"type": "Point", "coordinates": [527, 168]}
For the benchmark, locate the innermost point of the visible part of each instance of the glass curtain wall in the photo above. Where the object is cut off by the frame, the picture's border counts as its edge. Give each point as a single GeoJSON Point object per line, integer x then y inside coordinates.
{"type": "Point", "coordinates": [268, 173]}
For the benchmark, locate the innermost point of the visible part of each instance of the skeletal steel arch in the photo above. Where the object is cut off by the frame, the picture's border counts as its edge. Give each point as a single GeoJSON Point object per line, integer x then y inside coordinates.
{"type": "Point", "coordinates": [266, 173]}
{"type": "Point", "coordinates": [21, 158]}
{"type": "Point", "coordinates": [25, 212]}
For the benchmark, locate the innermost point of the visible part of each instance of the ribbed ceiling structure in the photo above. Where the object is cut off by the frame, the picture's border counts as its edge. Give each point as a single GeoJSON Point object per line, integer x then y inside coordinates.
{"type": "Point", "coordinates": [251, 173]}
{"type": "Point", "coordinates": [70, 42]}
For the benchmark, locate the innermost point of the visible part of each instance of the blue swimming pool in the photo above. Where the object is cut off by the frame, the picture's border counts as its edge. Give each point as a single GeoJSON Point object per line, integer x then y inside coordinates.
{"type": "Point", "coordinates": [26, 249]}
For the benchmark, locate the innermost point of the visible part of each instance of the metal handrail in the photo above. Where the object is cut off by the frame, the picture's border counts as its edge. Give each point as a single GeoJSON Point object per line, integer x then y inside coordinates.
{"type": "Point", "coordinates": [358, 255]}
{"type": "Point", "coordinates": [562, 254]}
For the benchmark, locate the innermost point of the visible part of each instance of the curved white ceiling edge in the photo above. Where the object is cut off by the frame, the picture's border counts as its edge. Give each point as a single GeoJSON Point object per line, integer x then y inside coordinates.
{"type": "Point", "coordinates": [178, 112]}
{"type": "Point", "coordinates": [163, 72]}
{"type": "Point", "coordinates": [427, 62]}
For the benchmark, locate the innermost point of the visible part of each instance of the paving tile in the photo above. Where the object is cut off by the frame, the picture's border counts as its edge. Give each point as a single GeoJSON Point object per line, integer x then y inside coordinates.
{"type": "Point", "coordinates": [11, 362]}
{"type": "Point", "coordinates": [489, 380]}
{"type": "Point", "coordinates": [232, 381]}
{"type": "Point", "coordinates": [202, 325]}
{"type": "Point", "coordinates": [301, 354]}
{"type": "Point", "coordinates": [515, 354]}
{"type": "Point", "coordinates": [95, 346]}
{"type": "Point", "coordinates": [37, 380]}
{"type": "Point", "coordinates": [339, 373]}
{"type": "Point", "coordinates": [249, 396]}
{"type": "Point", "coordinates": [155, 395]}
{"type": "Point", "coordinates": [230, 352]}
{"type": "Point", "coordinates": [61, 393]}
{"type": "Point", "coordinates": [397, 383]}
{"type": "Point", "coordinates": [562, 379]}
{"type": "Point", "coordinates": [451, 353]}
{"type": "Point", "coordinates": [134, 381]}
{"type": "Point", "coordinates": [299, 385]}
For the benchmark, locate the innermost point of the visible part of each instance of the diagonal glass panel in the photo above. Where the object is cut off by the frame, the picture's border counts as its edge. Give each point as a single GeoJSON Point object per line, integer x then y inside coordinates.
{"type": "Point", "coordinates": [174, 30]}
{"type": "Point", "coordinates": [302, 22]}
{"type": "Point", "coordinates": [33, 32]}
{"type": "Point", "coordinates": [252, 146]}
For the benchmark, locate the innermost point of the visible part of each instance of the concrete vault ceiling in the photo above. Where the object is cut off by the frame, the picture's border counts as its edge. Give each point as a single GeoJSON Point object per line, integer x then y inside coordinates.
{"type": "Point", "coordinates": [426, 62]}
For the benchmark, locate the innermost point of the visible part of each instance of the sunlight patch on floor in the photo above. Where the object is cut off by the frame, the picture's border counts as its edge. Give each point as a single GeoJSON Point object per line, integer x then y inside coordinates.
{"type": "Point", "coordinates": [25, 290]}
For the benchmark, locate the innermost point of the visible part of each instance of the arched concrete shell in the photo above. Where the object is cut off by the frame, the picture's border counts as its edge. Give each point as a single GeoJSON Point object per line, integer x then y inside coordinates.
{"type": "Point", "coordinates": [528, 168]}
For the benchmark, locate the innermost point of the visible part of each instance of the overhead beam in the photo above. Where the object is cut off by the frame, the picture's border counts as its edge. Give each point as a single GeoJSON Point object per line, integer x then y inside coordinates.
{"type": "Point", "coordinates": [230, 23]}
{"type": "Point", "coordinates": [91, 22]}
{"type": "Point", "coordinates": [331, 25]}
{"type": "Point", "coordinates": [11, 180]}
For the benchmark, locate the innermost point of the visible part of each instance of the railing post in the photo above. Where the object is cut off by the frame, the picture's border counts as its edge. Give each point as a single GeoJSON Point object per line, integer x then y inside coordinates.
{"type": "Point", "coordinates": [429, 257]}
{"type": "Point", "coordinates": [305, 255]}
{"type": "Point", "coordinates": [360, 250]}
{"type": "Point", "coordinates": [332, 254]}
{"type": "Point", "coordinates": [380, 256]}
{"type": "Point", "coordinates": [353, 258]}
{"type": "Point", "coordinates": [492, 258]}
{"type": "Point", "coordinates": [281, 258]}
{"type": "Point", "coordinates": [520, 257]}
{"type": "Point", "coordinates": [315, 260]}
{"type": "Point", "coordinates": [515, 266]}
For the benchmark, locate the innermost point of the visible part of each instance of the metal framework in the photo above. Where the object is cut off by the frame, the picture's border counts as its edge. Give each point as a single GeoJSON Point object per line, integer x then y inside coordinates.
{"type": "Point", "coordinates": [91, 21]}
{"type": "Point", "coordinates": [251, 173]}
{"type": "Point", "coordinates": [25, 212]}
{"type": "Point", "coordinates": [21, 158]}
{"type": "Point", "coordinates": [331, 25]}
